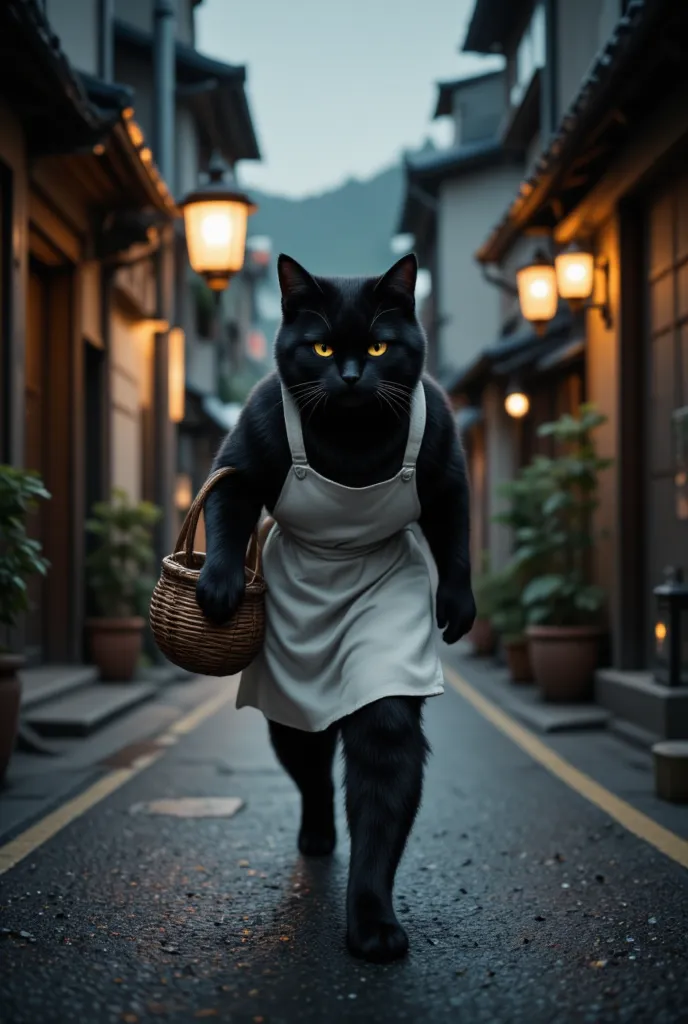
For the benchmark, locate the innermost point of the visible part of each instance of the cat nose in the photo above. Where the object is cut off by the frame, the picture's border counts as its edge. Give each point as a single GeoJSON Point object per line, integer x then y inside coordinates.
{"type": "Point", "coordinates": [351, 373]}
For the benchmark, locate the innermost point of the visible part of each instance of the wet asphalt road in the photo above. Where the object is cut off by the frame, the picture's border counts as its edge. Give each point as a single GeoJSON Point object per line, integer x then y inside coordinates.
{"type": "Point", "coordinates": [523, 902]}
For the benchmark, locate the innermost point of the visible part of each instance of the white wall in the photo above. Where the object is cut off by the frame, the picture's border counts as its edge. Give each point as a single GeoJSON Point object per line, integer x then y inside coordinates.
{"type": "Point", "coordinates": [129, 383]}
{"type": "Point", "coordinates": [76, 24]}
{"type": "Point", "coordinates": [470, 205]}
{"type": "Point", "coordinates": [602, 367]}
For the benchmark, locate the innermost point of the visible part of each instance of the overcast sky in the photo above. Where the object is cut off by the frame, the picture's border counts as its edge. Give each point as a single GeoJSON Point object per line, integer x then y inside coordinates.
{"type": "Point", "coordinates": [337, 88]}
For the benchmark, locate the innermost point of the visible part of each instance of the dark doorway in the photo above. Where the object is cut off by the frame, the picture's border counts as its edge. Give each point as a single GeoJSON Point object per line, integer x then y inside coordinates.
{"type": "Point", "coordinates": [94, 426]}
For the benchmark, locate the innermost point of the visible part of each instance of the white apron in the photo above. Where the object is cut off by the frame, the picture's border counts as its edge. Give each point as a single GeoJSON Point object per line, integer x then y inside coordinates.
{"type": "Point", "coordinates": [350, 605]}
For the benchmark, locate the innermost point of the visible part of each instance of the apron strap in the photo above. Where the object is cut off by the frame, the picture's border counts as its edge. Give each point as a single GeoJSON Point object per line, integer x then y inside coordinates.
{"type": "Point", "coordinates": [416, 431]}
{"type": "Point", "coordinates": [292, 421]}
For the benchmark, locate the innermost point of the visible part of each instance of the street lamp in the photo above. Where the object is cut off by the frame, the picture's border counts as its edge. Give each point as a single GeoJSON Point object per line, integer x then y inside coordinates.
{"type": "Point", "coordinates": [575, 269]}
{"type": "Point", "coordinates": [671, 630]}
{"type": "Point", "coordinates": [516, 401]}
{"type": "Point", "coordinates": [215, 217]}
{"type": "Point", "coordinates": [537, 291]}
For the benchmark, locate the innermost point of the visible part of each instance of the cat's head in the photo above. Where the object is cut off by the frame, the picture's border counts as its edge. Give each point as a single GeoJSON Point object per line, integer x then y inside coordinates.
{"type": "Point", "coordinates": [354, 341]}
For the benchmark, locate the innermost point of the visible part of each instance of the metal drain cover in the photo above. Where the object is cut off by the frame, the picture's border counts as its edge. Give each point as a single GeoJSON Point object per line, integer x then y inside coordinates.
{"type": "Point", "coordinates": [192, 807]}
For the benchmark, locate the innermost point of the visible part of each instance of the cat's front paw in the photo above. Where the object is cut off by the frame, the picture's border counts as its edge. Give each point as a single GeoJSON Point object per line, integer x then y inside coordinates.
{"type": "Point", "coordinates": [455, 609]}
{"type": "Point", "coordinates": [373, 932]}
{"type": "Point", "coordinates": [219, 592]}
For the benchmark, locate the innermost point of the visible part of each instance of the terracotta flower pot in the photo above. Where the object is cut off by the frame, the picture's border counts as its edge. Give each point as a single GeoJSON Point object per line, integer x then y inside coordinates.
{"type": "Point", "coordinates": [10, 701]}
{"type": "Point", "coordinates": [116, 646]}
{"type": "Point", "coordinates": [518, 659]}
{"type": "Point", "coordinates": [482, 636]}
{"type": "Point", "coordinates": [564, 659]}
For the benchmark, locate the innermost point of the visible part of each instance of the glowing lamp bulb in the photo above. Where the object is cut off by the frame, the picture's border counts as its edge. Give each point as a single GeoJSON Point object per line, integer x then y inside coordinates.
{"type": "Point", "coordinates": [537, 291]}
{"type": "Point", "coordinates": [517, 404]}
{"type": "Point", "coordinates": [216, 229]}
{"type": "Point", "coordinates": [575, 273]}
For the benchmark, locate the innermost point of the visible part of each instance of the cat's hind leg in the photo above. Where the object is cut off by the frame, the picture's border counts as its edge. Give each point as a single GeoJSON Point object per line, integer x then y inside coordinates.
{"type": "Point", "coordinates": [308, 757]}
{"type": "Point", "coordinates": [385, 752]}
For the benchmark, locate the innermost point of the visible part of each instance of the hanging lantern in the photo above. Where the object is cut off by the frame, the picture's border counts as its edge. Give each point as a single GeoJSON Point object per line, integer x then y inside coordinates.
{"type": "Point", "coordinates": [575, 269]}
{"type": "Point", "coordinates": [516, 401]}
{"type": "Point", "coordinates": [215, 220]}
{"type": "Point", "coordinates": [671, 630]}
{"type": "Point", "coordinates": [537, 291]}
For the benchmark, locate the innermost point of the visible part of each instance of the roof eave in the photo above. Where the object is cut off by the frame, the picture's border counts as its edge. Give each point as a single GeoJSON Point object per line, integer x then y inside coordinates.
{"type": "Point", "coordinates": [594, 106]}
{"type": "Point", "coordinates": [60, 116]}
{"type": "Point", "coordinates": [490, 25]}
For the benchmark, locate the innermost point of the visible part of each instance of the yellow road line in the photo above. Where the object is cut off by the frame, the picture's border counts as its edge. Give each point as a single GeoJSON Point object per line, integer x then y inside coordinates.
{"type": "Point", "coordinates": [199, 714]}
{"type": "Point", "coordinates": [633, 820]}
{"type": "Point", "coordinates": [30, 840]}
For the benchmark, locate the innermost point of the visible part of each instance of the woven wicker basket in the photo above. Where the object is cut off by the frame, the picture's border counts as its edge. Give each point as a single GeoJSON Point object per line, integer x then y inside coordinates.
{"type": "Point", "coordinates": [181, 631]}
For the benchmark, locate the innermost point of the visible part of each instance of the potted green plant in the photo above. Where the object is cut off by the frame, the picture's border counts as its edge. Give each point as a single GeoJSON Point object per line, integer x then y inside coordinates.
{"type": "Point", "coordinates": [523, 499]}
{"type": "Point", "coordinates": [119, 579]}
{"type": "Point", "coordinates": [482, 635]}
{"type": "Point", "coordinates": [20, 558]}
{"type": "Point", "coordinates": [509, 622]}
{"type": "Point", "coordinates": [563, 608]}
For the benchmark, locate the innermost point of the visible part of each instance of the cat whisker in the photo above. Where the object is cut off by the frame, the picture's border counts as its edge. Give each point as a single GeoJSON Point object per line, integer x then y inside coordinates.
{"type": "Point", "coordinates": [306, 386]}
{"type": "Point", "coordinates": [397, 386]}
{"type": "Point", "coordinates": [305, 392]}
{"type": "Point", "coordinates": [400, 397]}
{"type": "Point", "coordinates": [377, 316]}
{"type": "Point", "coordinates": [321, 397]}
{"type": "Point", "coordinates": [322, 316]}
{"type": "Point", "coordinates": [311, 398]}
{"type": "Point", "coordinates": [384, 398]}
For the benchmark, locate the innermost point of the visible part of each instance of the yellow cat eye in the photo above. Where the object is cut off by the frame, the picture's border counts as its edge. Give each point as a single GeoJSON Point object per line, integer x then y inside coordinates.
{"type": "Point", "coordinates": [378, 348]}
{"type": "Point", "coordinates": [322, 349]}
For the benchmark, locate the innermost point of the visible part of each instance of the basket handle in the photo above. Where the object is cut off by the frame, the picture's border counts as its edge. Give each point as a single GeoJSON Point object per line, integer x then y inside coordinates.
{"type": "Point", "coordinates": [187, 534]}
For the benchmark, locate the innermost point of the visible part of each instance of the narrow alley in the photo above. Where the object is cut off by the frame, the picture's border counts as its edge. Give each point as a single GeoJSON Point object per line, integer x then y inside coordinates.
{"type": "Point", "coordinates": [523, 900]}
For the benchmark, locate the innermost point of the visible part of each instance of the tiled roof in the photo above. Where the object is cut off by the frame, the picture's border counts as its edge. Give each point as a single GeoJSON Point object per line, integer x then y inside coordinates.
{"type": "Point", "coordinates": [509, 352]}
{"type": "Point", "coordinates": [491, 24]}
{"type": "Point", "coordinates": [231, 115]}
{"type": "Point", "coordinates": [441, 162]}
{"type": "Point", "coordinates": [62, 110]}
{"type": "Point", "coordinates": [612, 66]}
{"type": "Point", "coordinates": [41, 71]}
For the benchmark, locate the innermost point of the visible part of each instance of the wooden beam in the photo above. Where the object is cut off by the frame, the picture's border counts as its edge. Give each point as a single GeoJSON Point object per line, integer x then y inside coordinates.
{"type": "Point", "coordinates": [648, 145]}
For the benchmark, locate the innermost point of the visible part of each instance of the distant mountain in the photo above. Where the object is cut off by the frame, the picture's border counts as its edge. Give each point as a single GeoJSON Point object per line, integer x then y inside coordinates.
{"type": "Point", "coordinates": [345, 231]}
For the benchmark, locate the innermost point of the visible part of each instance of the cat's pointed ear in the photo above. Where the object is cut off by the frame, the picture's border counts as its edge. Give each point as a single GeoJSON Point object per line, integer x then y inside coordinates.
{"type": "Point", "coordinates": [401, 279]}
{"type": "Point", "coordinates": [294, 280]}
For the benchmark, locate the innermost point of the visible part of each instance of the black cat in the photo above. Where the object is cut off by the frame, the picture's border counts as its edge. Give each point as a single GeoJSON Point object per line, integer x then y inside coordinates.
{"type": "Point", "coordinates": [355, 416]}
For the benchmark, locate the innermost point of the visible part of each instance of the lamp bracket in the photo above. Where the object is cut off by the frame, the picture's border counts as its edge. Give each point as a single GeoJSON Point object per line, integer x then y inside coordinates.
{"type": "Point", "coordinates": [498, 281]}
{"type": "Point", "coordinates": [578, 305]}
{"type": "Point", "coordinates": [603, 306]}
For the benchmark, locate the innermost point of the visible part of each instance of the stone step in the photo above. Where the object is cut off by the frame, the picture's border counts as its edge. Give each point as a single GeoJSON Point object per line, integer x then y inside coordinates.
{"type": "Point", "coordinates": [48, 682]}
{"type": "Point", "coordinates": [85, 710]}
